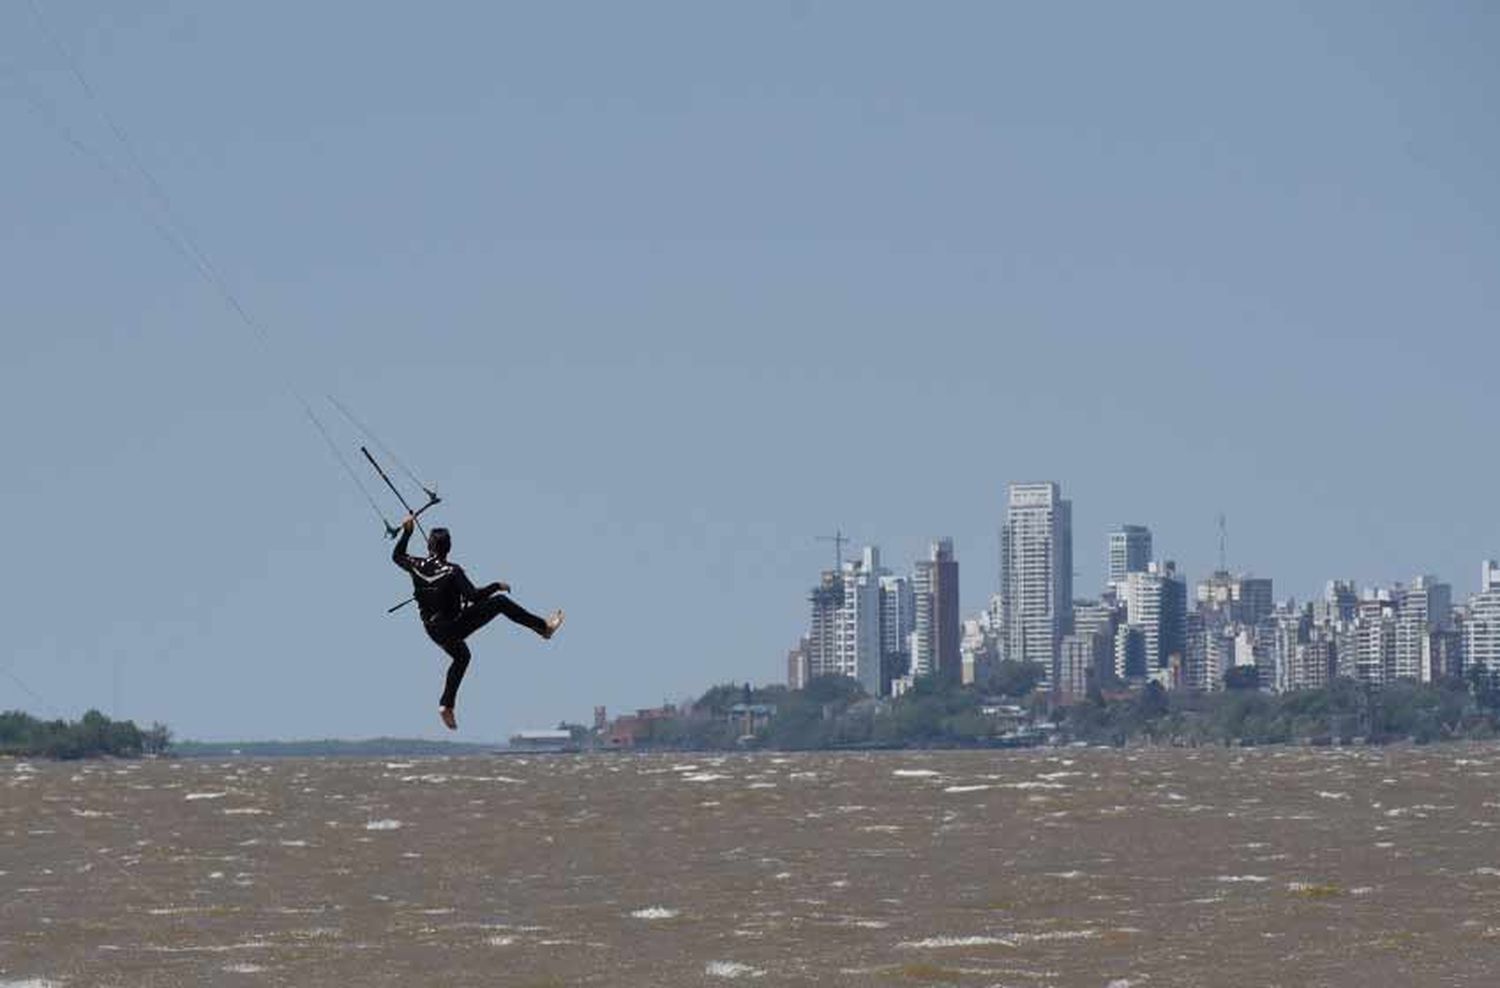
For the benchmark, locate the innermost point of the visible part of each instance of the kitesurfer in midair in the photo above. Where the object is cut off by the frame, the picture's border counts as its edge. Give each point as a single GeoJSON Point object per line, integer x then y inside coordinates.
{"type": "Point", "coordinates": [453, 608]}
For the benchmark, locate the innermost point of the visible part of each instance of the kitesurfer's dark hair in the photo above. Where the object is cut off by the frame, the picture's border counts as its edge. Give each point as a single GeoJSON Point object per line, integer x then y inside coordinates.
{"type": "Point", "coordinates": [439, 542]}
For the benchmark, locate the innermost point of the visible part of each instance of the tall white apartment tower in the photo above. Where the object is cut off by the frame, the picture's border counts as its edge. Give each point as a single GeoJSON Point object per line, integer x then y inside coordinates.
{"type": "Point", "coordinates": [1129, 552]}
{"type": "Point", "coordinates": [1036, 573]}
{"type": "Point", "coordinates": [919, 641]}
{"type": "Point", "coordinates": [857, 648]}
{"type": "Point", "coordinates": [1426, 607]}
{"type": "Point", "coordinates": [1482, 624]}
{"type": "Point", "coordinates": [1156, 603]}
{"type": "Point", "coordinates": [898, 618]}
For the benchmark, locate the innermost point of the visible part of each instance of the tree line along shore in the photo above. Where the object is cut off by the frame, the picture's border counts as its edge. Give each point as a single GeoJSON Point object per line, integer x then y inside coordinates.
{"type": "Point", "coordinates": [92, 736]}
{"type": "Point", "coordinates": [835, 713]}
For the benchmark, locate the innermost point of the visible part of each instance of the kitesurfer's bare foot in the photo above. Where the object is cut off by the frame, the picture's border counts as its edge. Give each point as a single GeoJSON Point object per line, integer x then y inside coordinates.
{"type": "Point", "coordinates": [554, 621]}
{"type": "Point", "coordinates": [449, 721]}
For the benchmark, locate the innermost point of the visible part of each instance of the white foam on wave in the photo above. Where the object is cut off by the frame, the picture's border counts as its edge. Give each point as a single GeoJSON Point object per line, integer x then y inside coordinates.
{"type": "Point", "coordinates": [915, 773]}
{"type": "Point", "coordinates": [204, 795]}
{"type": "Point", "coordinates": [31, 983]}
{"type": "Point", "coordinates": [242, 968]}
{"type": "Point", "coordinates": [703, 777]}
{"type": "Point", "coordinates": [1252, 879]}
{"type": "Point", "coordinates": [384, 825]}
{"type": "Point", "coordinates": [245, 811]}
{"type": "Point", "coordinates": [965, 788]}
{"type": "Point", "coordinates": [177, 910]}
{"type": "Point", "coordinates": [655, 912]}
{"type": "Point", "coordinates": [731, 969]}
{"type": "Point", "coordinates": [1324, 794]}
{"type": "Point", "coordinates": [213, 948]}
{"type": "Point", "coordinates": [939, 943]}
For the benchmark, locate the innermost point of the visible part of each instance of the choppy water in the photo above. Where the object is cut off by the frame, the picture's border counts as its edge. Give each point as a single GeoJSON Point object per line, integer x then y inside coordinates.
{"type": "Point", "coordinates": [1104, 869]}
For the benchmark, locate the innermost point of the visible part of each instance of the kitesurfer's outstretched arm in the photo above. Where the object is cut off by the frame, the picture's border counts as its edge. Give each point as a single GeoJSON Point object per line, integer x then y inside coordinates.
{"type": "Point", "coordinates": [398, 554]}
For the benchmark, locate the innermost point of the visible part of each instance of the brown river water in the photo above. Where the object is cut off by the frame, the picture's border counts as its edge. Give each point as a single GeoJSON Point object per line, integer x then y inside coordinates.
{"type": "Point", "coordinates": [1107, 869]}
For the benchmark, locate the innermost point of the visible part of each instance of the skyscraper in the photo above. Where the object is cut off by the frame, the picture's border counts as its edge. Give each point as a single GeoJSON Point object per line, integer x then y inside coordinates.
{"type": "Point", "coordinates": [1036, 574]}
{"type": "Point", "coordinates": [857, 622]}
{"type": "Point", "coordinates": [923, 577]}
{"type": "Point", "coordinates": [1241, 599]}
{"type": "Point", "coordinates": [947, 627]}
{"type": "Point", "coordinates": [897, 622]}
{"type": "Point", "coordinates": [936, 628]}
{"type": "Point", "coordinates": [1426, 607]}
{"type": "Point", "coordinates": [1129, 552]}
{"type": "Point", "coordinates": [1156, 603]}
{"type": "Point", "coordinates": [822, 632]}
{"type": "Point", "coordinates": [1482, 625]}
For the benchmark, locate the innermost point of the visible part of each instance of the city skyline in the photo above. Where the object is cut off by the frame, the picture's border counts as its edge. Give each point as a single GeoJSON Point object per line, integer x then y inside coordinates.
{"type": "Point", "coordinates": [1151, 622]}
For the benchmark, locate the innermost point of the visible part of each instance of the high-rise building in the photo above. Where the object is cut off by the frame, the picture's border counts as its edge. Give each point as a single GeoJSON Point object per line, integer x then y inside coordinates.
{"type": "Point", "coordinates": [1130, 653]}
{"type": "Point", "coordinates": [1241, 599]}
{"type": "Point", "coordinates": [1098, 617]}
{"type": "Point", "coordinates": [1156, 604]}
{"type": "Point", "coordinates": [1036, 574]}
{"type": "Point", "coordinates": [947, 626]}
{"type": "Point", "coordinates": [1312, 662]}
{"type": "Point", "coordinates": [923, 577]}
{"type": "Point", "coordinates": [1340, 603]}
{"type": "Point", "coordinates": [1426, 608]}
{"type": "Point", "coordinates": [796, 666]}
{"type": "Point", "coordinates": [1081, 656]}
{"type": "Point", "coordinates": [1129, 552]}
{"type": "Point", "coordinates": [1288, 630]}
{"type": "Point", "coordinates": [822, 630]}
{"type": "Point", "coordinates": [897, 622]}
{"type": "Point", "coordinates": [1374, 637]}
{"type": "Point", "coordinates": [936, 636]}
{"type": "Point", "coordinates": [1254, 601]}
{"type": "Point", "coordinates": [857, 622]}
{"type": "Point", "coordinates": [1481, 625]}
{"type": "Point", "coordinates": [1209, 652]}
{"type": "Point", "coordinates": [977, 653]}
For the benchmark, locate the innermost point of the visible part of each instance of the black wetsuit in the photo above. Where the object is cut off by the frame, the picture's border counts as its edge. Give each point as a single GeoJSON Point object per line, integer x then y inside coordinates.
{"type": "Point", "coordinates": [453, 609]}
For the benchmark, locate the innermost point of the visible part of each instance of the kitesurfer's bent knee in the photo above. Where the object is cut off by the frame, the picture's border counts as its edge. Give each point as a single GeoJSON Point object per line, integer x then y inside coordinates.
{"type": "Point", "coordinates": [477, 615]}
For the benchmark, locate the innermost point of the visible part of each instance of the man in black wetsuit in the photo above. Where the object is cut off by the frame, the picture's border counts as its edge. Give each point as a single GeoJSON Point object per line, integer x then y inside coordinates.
{"type": "Point", "coordinates": [453, 609]}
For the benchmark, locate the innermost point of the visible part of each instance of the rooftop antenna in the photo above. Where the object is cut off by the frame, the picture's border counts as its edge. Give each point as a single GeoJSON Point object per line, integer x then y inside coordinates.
{"type": "Point", "coordinates": [1223, 543]}
{"type": "Point", "coordinates": [838, 539]}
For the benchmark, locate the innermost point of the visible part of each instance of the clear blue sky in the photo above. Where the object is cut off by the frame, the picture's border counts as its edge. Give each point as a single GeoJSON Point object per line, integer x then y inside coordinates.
{"type": "Point", "coordinates": [656, 293]}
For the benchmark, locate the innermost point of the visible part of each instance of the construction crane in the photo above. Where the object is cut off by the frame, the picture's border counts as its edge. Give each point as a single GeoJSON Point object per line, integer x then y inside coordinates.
{"type": "Point", "coordinates": [838, 539]}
